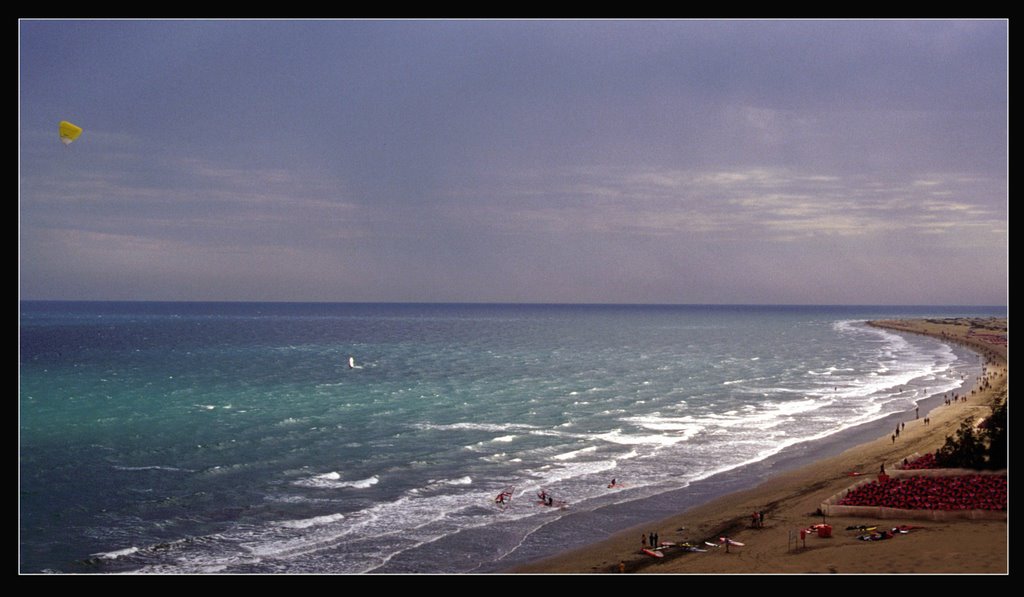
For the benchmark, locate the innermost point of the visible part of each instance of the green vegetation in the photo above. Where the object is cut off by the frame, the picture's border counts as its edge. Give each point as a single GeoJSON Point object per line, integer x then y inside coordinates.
{"type": "Point", "coordinates": [984, 447]}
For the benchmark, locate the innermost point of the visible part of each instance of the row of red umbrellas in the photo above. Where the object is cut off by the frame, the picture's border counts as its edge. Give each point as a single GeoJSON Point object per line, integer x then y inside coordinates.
{"type": "Point", "coordinates": [926, 461]}
{"type": "Point", "coordinates": [967, 492]}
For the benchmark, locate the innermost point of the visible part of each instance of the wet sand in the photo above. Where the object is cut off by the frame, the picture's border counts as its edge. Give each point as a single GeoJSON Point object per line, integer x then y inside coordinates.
{"type": "Point", "coordinates": [791, 499]}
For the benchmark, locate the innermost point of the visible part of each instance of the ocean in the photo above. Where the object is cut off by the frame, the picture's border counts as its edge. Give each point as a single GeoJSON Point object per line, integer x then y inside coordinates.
{"type": "Point", "coordinates": [235, 437]}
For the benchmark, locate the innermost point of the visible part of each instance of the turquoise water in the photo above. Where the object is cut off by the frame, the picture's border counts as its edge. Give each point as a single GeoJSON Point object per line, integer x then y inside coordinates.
{"type": "Point", "coordinates": [234, 437]}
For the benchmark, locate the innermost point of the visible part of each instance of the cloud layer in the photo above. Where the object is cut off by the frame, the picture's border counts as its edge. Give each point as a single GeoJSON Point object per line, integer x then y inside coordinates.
{"type": "Point", "coordinates": [665, 161]}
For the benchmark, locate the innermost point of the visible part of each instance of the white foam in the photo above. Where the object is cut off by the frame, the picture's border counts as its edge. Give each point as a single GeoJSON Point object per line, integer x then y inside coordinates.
{"type": "Point", "coordinates": [113, 555]}
{"type": "Point", "coordinates": [687, 425]}
{"type": "Point", "coordinates": [575, 453]}
{"type": "Point", "coordinates": [736, 381]}
{"type": "Point", "coordinates": [333, 480]}
{"type": "Point", "coordinates": [154, 468]}
{"type": "Point", "coordinates": [554, 474]}
{"type": "Point", "coordinates": [793, 407]}
{"type": "Point", "coordinates": [474, 427]}
{"type": "Point", "coordinates": [616, 436]}
{"type": "Point", "coordinates": [551, 432]}
{"type": "Point", "coordinates": [306, 523]}
{"type": "Point", "coordinates": [504, 438]}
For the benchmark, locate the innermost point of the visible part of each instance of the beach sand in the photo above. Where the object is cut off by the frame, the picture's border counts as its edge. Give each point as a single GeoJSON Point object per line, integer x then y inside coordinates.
{"type": "Point", "coordinates": [791, 500]}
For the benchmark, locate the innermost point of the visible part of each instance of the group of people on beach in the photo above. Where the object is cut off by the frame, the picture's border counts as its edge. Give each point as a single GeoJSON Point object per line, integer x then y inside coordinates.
{"type": "Point", "coordinates": [899, 426]}
{"type": "Point", "coordinates": [956, 398]}
{"type": "Point", "coordinates": [651, 537]}
{"type": "Point", "coordinates": [757, 519]}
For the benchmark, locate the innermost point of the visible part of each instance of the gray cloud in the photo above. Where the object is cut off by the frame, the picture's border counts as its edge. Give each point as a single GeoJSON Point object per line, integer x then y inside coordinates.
{"type": "Point", "coordinates": [595, 161]}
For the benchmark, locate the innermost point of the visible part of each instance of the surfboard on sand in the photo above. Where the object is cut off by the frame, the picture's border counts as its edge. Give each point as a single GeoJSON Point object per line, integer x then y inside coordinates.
{"type": "Point", "coordinates": [652, 553]}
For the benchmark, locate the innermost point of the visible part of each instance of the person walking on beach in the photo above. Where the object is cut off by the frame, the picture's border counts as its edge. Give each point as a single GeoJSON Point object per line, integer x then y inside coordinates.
{"type": "Point", "coordinates": [917, 412]}
{"type": "Point", "coordinates": [643, 541]}
{"type": "Point", "coordinates": [760, 519]}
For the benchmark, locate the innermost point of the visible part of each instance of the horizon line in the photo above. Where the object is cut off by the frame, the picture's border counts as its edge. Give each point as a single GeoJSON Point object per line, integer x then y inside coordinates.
{"type": "Point", "coordinates": [502, 303]}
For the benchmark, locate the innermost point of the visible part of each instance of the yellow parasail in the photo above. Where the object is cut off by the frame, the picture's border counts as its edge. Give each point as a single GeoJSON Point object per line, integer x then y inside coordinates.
{"type": "Point", "coordinates": [68, 132]}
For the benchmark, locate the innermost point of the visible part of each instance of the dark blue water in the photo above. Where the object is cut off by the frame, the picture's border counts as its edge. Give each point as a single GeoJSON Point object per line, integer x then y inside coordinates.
{"type": "Point", "coordinates": [234, 437]}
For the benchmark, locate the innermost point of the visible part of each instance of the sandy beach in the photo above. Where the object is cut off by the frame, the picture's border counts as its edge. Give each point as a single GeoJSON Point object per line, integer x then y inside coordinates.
{"type": "Point", "coordinates": [791, 500]}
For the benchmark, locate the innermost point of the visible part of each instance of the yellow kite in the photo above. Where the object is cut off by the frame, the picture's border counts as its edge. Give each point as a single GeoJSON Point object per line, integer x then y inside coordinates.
{"type": "Point", "coordinates": [68, 132]}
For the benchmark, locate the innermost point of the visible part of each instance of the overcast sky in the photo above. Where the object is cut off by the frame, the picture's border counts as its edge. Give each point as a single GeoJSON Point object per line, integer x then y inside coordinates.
{"type": "Point", "coordinates": [807, 162]}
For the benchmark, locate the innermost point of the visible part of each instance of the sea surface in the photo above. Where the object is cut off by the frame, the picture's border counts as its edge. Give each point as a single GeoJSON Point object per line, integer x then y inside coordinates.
{"type": "Point", "coordinates": [235, 437]}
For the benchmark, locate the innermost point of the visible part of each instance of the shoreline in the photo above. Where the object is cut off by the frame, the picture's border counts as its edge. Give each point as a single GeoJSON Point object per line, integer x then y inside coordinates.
{"type": "Point", "coordinates": [791, 497]}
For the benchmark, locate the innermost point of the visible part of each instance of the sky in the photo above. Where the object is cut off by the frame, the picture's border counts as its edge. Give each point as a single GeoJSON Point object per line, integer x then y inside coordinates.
{"type": "Point", "coordinates": [561, 161]}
